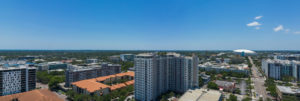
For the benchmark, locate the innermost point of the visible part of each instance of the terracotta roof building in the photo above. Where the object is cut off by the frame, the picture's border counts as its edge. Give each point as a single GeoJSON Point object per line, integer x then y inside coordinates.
{"type": "Point", "coordinates": [34, 95]}
{"type": "Point", "coordinates": [82, 72]}
{"type": "Point", "coordinates": [99, 85]}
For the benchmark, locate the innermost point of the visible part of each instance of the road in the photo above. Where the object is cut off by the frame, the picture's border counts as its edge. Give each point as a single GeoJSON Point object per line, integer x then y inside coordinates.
{"type": "Point", "coordinates": [243, 87]}
{"type": "Point", "coordinates": [258, 81]}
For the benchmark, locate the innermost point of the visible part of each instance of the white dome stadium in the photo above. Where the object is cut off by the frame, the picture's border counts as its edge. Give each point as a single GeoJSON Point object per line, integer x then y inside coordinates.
{"type": "Point", "coordinates": [244, 51]}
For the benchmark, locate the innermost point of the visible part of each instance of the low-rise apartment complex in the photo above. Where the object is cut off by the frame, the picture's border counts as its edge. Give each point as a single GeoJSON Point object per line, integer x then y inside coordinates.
{"type": "Point", "coordinates": [34, 95]}
{"type": "Point", "coordinates": [76, 73]}
{"type": "Point", "coordinates": [103, 85]}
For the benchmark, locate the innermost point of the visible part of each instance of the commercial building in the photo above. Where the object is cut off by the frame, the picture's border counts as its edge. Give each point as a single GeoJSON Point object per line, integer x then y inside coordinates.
{"type": "Point", "coordinates": [92, 61]}
{"type": "Point", "coordinates": [127, 57]}
{"type": "Point", "coordinates": [17, 79]}
{"type": "Point", "coordinates": [225, 85]}
{"type": "Point", "coordinates": [115, 58]}
{"type": "Point", "coordinates": [34, 95]}
{"type": "Point", "coordinates": [205, 78]}
{"type": "Point", "coordinates": [27, 58]}
{"type": "Point", "coordinates": [157, 73]}
{"type": "Point", "coordinates": [290, 57]}
{"type": "Point", "coordinates": [103, 85]}
{"type": "Point", "coordinates": [284, 91]}
{"type": "Point", "coordinates": [55, 65]}
{"type": "Point", "coordinates": [277, 69]}
{"type": "Point", "coordinates": [201, 95]}
{"type": "Point", "coordinates": [219, 67]}
{"type": "Point", "coordinates": [81, 72]}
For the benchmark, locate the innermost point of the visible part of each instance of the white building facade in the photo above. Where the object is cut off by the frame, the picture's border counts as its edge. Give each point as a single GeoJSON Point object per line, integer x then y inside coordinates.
{"type": "Point", "coordinates": [277, 69]}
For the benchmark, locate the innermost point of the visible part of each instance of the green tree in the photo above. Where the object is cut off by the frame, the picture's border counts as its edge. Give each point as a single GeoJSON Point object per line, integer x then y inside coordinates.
{"type": "Point", "coordinates": [212, 85]}
{"type": "Point", "coordinates": [53, 83]}
{"type": "Point", "coordinates": [247, 99]}
{"type": "Point", "coordinates": [289, 98]}
{"type": "Point", "coordinates": [232, 98]}
{"type": "Point", "coordinates": [126, 65]}
{"type": "Point", "coordinates": [200, 82]}
{"type": "Point", "coordinates": [237, 91]}
{"type": "Point", "coordinates": [171, 94]}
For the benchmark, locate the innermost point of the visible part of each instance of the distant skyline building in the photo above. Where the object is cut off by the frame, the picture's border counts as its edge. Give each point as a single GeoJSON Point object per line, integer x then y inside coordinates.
{"type": "Point", "coordinates": [295, 57]}
{"type": "Point", "coordinates": [91, 60]}
{"type": "Point", "coordinates": [157, 73]}
{"type": "Point", "coordinates": [55, 65]}
{"type": "Point", "coordinates": [277, 69]}
{"type": "Point", "coordinates": [17, 79]}
{"type": "Point", "coordinates": [127, 57]}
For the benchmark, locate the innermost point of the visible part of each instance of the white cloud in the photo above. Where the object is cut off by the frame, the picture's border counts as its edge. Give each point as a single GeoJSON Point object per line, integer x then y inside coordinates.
{"type": "Point", "coordinates": [278, 28]}
{"type": "Point", "coordinates": [255, 23]}
{"type": "Point", "coordinates": [258, 17]}
{"type": "Point", "coordinates": [298, 32]}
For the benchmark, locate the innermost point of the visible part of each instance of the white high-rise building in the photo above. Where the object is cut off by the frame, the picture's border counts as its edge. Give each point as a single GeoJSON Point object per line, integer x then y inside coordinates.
{"type": "Point", "coordinates": [277, 69]}
{"type": "Point", "coordinates": [157, 73]}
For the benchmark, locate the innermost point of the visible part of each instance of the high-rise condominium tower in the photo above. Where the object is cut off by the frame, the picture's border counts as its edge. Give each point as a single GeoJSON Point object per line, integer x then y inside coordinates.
{"type": "Point", "coordinates": [157, 73]}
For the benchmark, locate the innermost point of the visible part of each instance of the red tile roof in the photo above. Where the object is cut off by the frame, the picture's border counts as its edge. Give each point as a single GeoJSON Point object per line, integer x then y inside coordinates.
{"type": "Point", "coordinates": [34, 95]}
{"type": "Point", "coordinates": [92, 85]}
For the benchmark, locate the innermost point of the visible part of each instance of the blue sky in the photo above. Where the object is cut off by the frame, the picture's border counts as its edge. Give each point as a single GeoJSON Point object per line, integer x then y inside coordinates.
{"type": "Point", "coordinates": [150, 24]}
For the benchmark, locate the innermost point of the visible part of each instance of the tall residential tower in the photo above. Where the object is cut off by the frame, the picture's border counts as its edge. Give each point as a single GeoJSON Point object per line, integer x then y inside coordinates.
{"type": "Point", "coordinates": [157, 73]}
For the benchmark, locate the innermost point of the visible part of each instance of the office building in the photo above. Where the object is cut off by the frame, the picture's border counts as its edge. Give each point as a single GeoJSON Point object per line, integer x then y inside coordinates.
{"type": "Point", "coordinates": [127, 57]}
{"type": "Point", "coordinates": [201, 95]}
{"type": "Point", "coordinates": [82, 72]}
{"type": "Point", "coordinates": [157, 73]}
{"type": "Point", "coordinates": [277, 69]}
{"type": "Point", "coordinates": [55, 65]}
{"type": "Point", "coordinates": [205, 78]}
{"type": "Point", "coordinates": [224, 67]}
{"type": "Point", "coordinates": [290, 57]}
{"type": "Point", "coordinates": [17, 79]}
{"type": "Point", "coordinates": [92, 61]}
{"type": "Point", "coordinates": [115, 58]}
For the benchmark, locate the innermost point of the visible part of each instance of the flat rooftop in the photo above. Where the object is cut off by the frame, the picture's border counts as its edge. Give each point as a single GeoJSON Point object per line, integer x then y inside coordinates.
{"type": "Point", "coordinates": [288, 90]}
{"type": "Point", "coordinates": [201, 95]}
{"type": "Point", "coordinates": [17, 67]}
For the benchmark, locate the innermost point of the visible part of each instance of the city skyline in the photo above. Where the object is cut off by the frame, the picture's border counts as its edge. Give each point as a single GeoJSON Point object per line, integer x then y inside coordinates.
{"type": "Point", "coordinates": [150, 25]}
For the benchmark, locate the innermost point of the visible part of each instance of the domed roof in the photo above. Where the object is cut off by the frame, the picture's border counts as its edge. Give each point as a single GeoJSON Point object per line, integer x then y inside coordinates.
{"type": "Point", "coordinates": [244, 50]}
